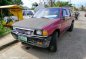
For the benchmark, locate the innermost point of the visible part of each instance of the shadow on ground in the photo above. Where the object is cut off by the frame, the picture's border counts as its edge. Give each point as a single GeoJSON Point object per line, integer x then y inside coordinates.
{"type": "Point", "coordinates": [71, 45]}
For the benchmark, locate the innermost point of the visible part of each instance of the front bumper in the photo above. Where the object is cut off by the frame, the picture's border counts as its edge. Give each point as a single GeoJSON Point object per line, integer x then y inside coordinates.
{"type": "Point", "coordinates": [34, 40]}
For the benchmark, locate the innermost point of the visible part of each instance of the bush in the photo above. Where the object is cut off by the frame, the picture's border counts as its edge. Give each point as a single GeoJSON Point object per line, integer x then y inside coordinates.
{"type": "Point", "coordinates": [4, 30]}
{"type": "Point", "coordinates": [3, 22]}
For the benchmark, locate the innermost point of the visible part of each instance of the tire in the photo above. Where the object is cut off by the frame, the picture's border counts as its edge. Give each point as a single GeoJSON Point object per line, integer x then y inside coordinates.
{"type": "Point", "coordinates": [23, 43]}
{"type": "Point", "coordinates": [53, 43]}
{"type": "Point", "coordinates": [71, 27]}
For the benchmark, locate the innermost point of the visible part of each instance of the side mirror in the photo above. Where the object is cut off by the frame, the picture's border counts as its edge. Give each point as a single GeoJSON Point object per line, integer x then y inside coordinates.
{"type": "Point", "coordinates": [65, 17]}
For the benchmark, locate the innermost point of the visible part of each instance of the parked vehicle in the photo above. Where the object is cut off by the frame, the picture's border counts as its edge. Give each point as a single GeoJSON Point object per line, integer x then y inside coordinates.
{"type": "Point", "coordinates": [85, 15]}
{"type": "Point", "coordinates": [28, 14]}
{"type": "Point", "coordinates": [11, 18]}
{"type": "Point", "coordinates": [76, 15]}
{"type": "Point", "coordinates": [44, 29]}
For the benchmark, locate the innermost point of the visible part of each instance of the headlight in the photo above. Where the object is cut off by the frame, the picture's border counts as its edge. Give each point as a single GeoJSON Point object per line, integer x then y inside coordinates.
{"type": "Point", "coordinates": [41, 32]}
{"type": "Point", "coordinates": [38, 32]}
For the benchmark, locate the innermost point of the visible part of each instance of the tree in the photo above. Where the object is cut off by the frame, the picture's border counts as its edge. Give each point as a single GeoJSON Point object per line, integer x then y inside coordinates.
{"type": "Point", "coordinates": [35, 4]}
{"type": "Point", "coordinates": [46, 5]}
{"type": "Point", "coordinates": [62, 4]}
{"type": "Point", "coordinates": [51, 2]}
{"type": "Point", "coordinates": [82, 8]}
{"type": "Point", "coordinates": [18, 2]}
{"type": "Point", "coordinates": [8, 2]}
{"type": "Point", "coordinates": [5, 2]}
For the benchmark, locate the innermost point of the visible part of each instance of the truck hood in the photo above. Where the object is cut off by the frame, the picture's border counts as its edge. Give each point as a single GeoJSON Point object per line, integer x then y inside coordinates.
{"type": "Point", "coordinates": [34, 23]}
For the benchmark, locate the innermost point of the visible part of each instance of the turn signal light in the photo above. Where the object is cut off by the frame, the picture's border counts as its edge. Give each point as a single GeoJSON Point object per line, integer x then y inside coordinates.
{"type": "Point", "coordinates": [45, 33]}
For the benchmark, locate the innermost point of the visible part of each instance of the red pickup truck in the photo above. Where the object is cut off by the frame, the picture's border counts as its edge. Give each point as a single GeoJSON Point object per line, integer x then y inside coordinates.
{"type": "Point", "coordinates": [44, 28]}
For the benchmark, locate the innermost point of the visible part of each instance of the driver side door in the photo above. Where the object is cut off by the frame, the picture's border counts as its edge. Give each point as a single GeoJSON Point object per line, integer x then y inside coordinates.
{"type": "Point", "coordinates": [64, 20]}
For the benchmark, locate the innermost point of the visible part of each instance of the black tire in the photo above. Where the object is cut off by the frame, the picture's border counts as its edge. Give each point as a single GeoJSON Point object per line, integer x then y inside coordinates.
{"type": "Point", "coordinates": [53, 43]}
{"type": "Point", "coordinates": [22, 43]}
{"type": "Point", "coordinates": [71, 27]}
{"type": "Point", "coordinates": [25, 44]}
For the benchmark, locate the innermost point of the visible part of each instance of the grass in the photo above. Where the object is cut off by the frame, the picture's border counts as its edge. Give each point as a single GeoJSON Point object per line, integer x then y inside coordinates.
{"type": "Point", "coordinates": [4, 30]}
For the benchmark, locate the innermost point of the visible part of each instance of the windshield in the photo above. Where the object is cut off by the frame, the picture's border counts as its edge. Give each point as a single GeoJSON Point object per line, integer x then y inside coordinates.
{"type": "Point", "coordinates": [51, 13]}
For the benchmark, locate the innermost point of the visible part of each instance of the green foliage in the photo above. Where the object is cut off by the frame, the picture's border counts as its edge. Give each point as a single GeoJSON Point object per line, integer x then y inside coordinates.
{"type": "Point", "coordinates": [10, 2]}
{"type": "Point", "coordinates": [18, 2]}
{"type": "Point", "coordinates": [5, 2]}
{"type": "Point", "coordinates": [46, 5]}
{"type": "Point", "coordinates": [3, 22]}
{"type": "Point", "coordinates": [32, 8]}
{"type": "Point", "coordinates": [35, 4]}
{"type": "Point", "coordinates": [4, 30]}
{"type": "Point", "coordinates": [62, 4]}
{"type": "Point", "coordinates": [5, 12]}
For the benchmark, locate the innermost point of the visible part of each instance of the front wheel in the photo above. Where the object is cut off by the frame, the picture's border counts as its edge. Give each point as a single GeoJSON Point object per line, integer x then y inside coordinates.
{"type": "Point", "coordinates": [53, 43]}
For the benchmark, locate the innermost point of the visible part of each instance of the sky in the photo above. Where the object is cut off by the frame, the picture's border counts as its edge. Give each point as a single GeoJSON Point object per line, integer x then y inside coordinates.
{"type": "Point", "coordinates": [77, 3]}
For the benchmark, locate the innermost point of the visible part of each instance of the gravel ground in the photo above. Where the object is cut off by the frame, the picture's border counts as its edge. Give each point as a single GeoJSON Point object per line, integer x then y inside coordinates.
{"type": "Point", "coordinates": [72, 45]}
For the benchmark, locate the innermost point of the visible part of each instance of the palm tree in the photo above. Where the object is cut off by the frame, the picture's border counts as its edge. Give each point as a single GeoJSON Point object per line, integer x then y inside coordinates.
{"type": "Point", "coordinates": [62, 4]}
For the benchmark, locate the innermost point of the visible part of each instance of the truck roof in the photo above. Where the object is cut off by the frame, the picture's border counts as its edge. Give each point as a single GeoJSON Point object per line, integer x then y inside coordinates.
{"type": "Point", "coordinates": [60, 7]}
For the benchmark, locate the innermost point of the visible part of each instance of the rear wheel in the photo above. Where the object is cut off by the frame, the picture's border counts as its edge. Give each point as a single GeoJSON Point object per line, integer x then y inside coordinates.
{"type": "Point", "coordinates": [71, 27]}
{"type": "Point", "coordinates": [53, 43]}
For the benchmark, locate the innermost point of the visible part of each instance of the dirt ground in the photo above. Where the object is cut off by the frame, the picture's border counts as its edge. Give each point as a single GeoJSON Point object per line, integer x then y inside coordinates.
{"type": "Point", "coordinates": [72, 45]}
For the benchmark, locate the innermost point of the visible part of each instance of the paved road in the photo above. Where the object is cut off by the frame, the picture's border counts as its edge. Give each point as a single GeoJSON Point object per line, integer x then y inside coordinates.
{"type": "Point", "coordinates": [72, 45]}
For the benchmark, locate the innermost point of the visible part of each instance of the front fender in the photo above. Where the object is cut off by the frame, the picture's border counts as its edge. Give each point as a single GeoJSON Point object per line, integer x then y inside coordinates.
{"type": "Point", "coordinates": [51, 28]}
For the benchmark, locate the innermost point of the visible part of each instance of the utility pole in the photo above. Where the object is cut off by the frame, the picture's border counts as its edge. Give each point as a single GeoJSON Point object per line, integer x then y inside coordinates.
{"type": "Point", "coordinates": [51, 3]}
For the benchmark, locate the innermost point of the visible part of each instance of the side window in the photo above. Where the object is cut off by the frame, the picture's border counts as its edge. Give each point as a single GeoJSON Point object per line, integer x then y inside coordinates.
{"type": "Point", "coordinates": [69, 12]}
{"type": "Point", "coordinates": [64, 12]}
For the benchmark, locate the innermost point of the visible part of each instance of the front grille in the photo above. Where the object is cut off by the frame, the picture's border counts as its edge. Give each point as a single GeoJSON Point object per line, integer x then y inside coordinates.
{"type": "Point", "coordinates": [24, 31]}
{"type": "Point", "coordinates": [34, 40]}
